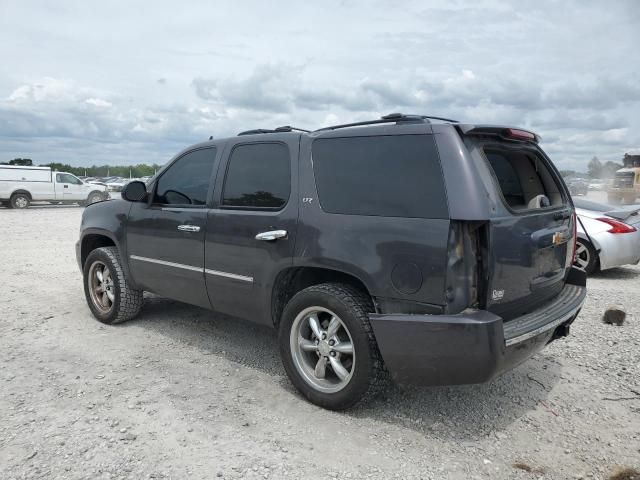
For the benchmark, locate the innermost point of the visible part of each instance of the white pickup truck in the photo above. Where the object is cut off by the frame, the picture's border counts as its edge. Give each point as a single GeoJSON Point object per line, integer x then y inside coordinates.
{"type": "Point", "coordinates": [19, 186]}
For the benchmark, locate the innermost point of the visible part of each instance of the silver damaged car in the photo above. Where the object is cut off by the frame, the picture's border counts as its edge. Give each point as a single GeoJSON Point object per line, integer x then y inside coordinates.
{"type": "Point", "coordinates": [608, 235]}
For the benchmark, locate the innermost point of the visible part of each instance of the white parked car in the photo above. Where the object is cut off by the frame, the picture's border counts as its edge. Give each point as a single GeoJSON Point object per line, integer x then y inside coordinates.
{"type": "Point", "coordinates": [117, 185]}
{"type": "Point", "coordinates": [19, 186]}
{"type": "Point", "coordinates": [608, 235]}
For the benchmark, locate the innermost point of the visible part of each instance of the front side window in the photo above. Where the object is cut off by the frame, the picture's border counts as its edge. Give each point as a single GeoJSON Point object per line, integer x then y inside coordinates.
{"type": "Point", "coordinates": [186, 181]}
{"type": "Point", "coordinates": [388, 176]}
{"type": "Point", "coordinates": [258, 176]}
{"type": "Point", "coordinates": [66, 178]}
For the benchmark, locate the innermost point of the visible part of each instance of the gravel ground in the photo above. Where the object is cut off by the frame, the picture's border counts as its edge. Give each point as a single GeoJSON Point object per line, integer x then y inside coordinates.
{"type": "Point", "coordinates": [183, 393]}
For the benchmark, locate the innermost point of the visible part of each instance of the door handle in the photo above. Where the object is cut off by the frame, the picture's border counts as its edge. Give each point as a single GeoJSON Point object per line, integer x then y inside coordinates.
{"type": "Point", "coordinates": [66, 186]}
{"type": "Point", "coordinates": [188, 228]}
{"type": "Point", "coordinates": [272, 235]}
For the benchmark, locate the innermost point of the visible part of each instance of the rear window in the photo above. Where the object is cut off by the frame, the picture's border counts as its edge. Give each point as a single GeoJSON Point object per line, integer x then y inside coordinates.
{"type": "Point", "coordinates": [391, 176]}
{"type": "Point", "coordinates": [525, 180]}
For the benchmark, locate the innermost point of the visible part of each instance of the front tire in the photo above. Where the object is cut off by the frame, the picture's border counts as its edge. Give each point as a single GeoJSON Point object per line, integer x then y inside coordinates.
{"type": "Point", "coordinates": [93, 198]}
{"type": "Point", "coordinates": [108, 293]}
{"type": "Point", "coordinates": [328, 348]}
{"type": "Point", "coordinates": [586, 256]}
{"type": "Point", "coordinates": [20, 201]}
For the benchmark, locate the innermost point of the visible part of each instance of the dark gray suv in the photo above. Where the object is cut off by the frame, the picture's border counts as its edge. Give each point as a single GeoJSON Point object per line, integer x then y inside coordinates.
{"type": "Point", "coordinates": [414, 247]}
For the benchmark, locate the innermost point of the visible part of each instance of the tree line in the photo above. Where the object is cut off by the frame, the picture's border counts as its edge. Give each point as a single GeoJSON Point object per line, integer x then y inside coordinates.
{"type": "Point", "coordinates": [597, 169]}
{"type": "Point", "coordinates": [133, 171]}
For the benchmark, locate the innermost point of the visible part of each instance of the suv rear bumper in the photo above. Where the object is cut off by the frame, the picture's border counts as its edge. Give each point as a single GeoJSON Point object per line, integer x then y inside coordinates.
{"type": "Point", "coordinates": [469, 347]}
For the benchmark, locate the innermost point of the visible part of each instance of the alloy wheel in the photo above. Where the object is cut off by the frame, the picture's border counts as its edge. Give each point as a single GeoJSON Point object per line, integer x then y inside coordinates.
{"type": "Point", "coordinates": [583, 256]}
{"type": "Point", "coordinates": [322, 349]}
{"type": "Point", "coordinates": [101, 287]}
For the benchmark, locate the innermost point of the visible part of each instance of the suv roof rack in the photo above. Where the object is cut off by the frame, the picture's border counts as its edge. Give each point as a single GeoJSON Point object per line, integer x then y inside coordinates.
{"type": "Point", "coordinates": [285, 128]}
{"type": "Point", "coordinates": [391, 118]}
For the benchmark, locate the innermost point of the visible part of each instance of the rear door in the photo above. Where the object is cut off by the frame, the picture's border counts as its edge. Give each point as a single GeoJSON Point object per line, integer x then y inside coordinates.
{"type": "Point", "coordinates": [165, 237]}
{"type": "Point", "coordinates": [251, 230]}
{"type": "Point", "coordinates": [531, 234]}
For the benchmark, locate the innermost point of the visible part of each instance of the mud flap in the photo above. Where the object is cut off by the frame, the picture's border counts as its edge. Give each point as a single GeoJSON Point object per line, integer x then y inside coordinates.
{"type": "Point", "coordinates": [577, 277]}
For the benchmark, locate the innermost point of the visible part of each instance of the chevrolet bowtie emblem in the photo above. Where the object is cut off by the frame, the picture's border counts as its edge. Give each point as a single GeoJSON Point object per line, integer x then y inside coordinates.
{"type": "Point", "coordinates": [559, 238]}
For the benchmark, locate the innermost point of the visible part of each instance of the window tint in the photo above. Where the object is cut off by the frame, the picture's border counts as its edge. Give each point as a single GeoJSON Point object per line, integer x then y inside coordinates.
{"type": "Point", "coordinates": [259, 176]}
{"type": "Point", "coordinates": [395, 176]}
{"type": "Point", "coordinates": [186, 181]}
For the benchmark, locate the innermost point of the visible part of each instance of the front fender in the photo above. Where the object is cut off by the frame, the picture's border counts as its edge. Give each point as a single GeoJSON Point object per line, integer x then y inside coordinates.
{"type": "Point", "coordinates": [107, 219]}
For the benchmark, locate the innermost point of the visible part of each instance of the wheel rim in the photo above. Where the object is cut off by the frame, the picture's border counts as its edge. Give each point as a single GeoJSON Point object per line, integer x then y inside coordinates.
{"type": "Point", "coordinates": [94, 198]}
{"type": "Point", "coordinates": [21, 202]}
{"type": "Point", "coordinates": [101, 287]}
{"type": "Point", "coordinates": [583, 257]}
{"type": "Point", "coordinates": [322, 349]}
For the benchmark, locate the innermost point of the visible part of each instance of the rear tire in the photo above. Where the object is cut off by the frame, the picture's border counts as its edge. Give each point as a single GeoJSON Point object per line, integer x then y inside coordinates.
{"type": "Point", "coordinates": [586, 256]}
{"type": "Point", "coordinates": [108, 293]}
{"type": "Point", "coordinates": [341, 368]}
{"type": "Point", "coordinates": [20, 200]}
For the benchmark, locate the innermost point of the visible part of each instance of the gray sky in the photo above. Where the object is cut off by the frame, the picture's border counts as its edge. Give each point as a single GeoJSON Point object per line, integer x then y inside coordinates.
{"type": "Point", "coordinates": [134, 82]}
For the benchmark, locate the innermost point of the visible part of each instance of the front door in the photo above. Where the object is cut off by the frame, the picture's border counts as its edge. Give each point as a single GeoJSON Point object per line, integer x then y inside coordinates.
{"type": "Point", "coordinates": [69, 188]}
{"type": "Point", "coordinates": [251, 229]}
{"type": "Point", "coordinates": [165, 237]}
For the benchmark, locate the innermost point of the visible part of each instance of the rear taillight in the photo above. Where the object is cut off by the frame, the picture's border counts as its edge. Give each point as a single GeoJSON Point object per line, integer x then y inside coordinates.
{"type": "Point", "coordinates": [617, 226]}
{"type": "Point", "coordinates": [462, 266]}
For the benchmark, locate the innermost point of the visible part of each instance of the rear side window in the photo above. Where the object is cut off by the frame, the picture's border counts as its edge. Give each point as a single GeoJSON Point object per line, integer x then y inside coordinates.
{"type": "Point", "coordinates": [258, 176]}
{"type": "Point", "coordinates": [390, 176]}
{"type": "Point", "coordinates": [525, 180]}
{"type": "Point", "coordinates": [186, 181]}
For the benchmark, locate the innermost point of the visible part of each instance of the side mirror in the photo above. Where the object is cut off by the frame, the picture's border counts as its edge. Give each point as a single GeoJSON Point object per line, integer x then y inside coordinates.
{"type": "Point", "coordinates": [135, 191]}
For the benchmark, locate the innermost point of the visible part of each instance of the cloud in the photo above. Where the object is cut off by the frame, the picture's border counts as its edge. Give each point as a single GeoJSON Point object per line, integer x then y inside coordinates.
{"type": "Point", "coordinates": [98, 102]}
{"type": "Point", "coordinates": [76, 90]}
{"type": "Point", "coordinates": [267, 88]}
{"type": "Point", "coordinates": [279, 88]}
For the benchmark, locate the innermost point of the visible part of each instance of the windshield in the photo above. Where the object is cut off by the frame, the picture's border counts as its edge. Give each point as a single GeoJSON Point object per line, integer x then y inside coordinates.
{"type": "Point", "coordinates": [623, 179]}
